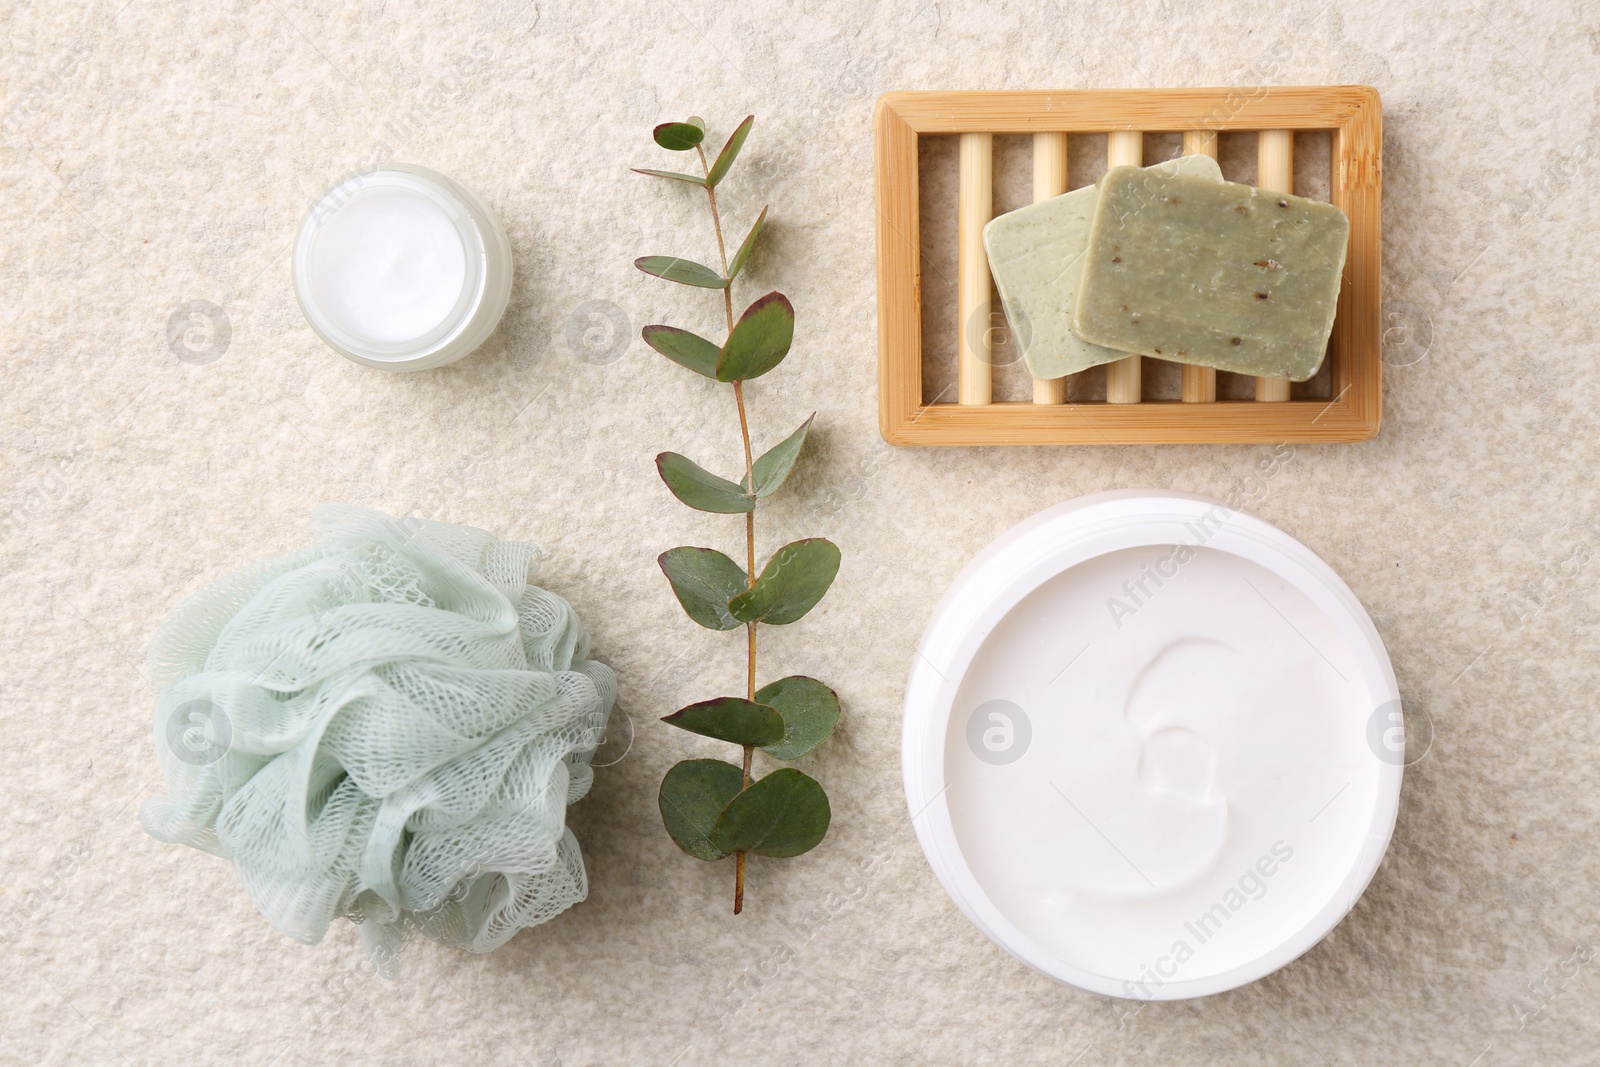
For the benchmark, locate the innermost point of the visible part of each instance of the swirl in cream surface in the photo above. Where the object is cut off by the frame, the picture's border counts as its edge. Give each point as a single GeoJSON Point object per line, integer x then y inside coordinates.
{"type": "Point", "coordinates": [1195, 781]}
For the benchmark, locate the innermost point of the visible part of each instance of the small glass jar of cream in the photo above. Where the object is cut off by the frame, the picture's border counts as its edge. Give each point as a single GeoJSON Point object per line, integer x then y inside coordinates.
{"type": "Point", "coordinates": [401, 268]}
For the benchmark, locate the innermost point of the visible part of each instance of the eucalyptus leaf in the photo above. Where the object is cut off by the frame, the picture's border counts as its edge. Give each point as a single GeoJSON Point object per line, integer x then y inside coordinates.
{"type": "Point", "coordinates": [733, 719]}
{"type": "Point", "coordinates": [759, 340]}
{"type": "Point", "coordinates": [684, 348]}
{"type": "Point", "coordinates": [776, 463]}
{"type": "Point", "coordinates": [700, 489]}
{"type": "Point", "coordinates": [747, 247]}
{"type": "Point", "coordinates": [730, 152]}
{"type": "Point", "coordinates": [704, 580]}
{"type": "Point", "coordinates": [791, 583]}
{"type": "Point", "coordinates": [677, 176]}
{"type": "Point", "coordinates": [694, 794]}
{"type": "Point", "coordinates": [810, 711]}
{"type": "Point", "coordinates": [784, 814]}
{"type": "Point", "coordinates": [679, 136]}
{"type": "Point", "coordinates": [684, 271]}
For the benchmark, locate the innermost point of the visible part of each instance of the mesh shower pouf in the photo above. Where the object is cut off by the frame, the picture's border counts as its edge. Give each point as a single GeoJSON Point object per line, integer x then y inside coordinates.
{"type": "Point", "coordinates": [388, 726]}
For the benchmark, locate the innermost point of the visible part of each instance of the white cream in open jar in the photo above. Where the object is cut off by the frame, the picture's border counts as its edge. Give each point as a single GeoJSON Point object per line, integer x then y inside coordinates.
{"type": "Point", "coordinates": [1140, 748]}
{"type": "Point", "coordinates": [402, 268]}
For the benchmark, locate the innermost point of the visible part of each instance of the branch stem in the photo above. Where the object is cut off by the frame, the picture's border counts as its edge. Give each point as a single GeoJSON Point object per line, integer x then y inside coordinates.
{"type": "Point", "coordinates": [749, 516]}
{"type": "Point", "coordinates": [722, 249]}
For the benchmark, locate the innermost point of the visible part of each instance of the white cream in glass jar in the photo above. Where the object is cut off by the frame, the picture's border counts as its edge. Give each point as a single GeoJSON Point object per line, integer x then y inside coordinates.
{"type": "Point", "coordinates": [402, 268]}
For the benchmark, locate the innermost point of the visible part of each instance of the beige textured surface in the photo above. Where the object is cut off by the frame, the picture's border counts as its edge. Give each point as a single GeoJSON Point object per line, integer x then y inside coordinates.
{"type": "Point", "coordinates": [155, 154]}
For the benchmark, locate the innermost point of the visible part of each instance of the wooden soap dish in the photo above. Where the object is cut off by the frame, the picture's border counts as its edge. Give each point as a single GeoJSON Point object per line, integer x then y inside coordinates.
{"type": "Point", "coordinates": [1351, 114]}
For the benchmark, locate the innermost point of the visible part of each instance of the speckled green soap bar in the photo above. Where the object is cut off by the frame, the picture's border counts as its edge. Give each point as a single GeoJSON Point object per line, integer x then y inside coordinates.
{"type": "Point", "coordinates": [1036, 258]}
{"type": "Point", "coordinates": [1215, 273]}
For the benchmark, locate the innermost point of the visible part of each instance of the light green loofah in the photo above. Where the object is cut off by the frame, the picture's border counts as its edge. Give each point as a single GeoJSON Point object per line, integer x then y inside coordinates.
{"type": "Point", "coordinates": [389, 726]}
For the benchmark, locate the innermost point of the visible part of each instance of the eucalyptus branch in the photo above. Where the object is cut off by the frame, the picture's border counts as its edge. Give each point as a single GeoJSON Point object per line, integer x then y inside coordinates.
{"type": "Point", "coordinates": [713, 809]}
{"type": "Point", "coordinates": [749, 516]}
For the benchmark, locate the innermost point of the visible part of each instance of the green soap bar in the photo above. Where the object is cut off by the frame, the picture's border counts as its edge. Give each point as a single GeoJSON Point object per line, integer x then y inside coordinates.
{"type": "Point", "coordinates": [1036, 258]}
{"type": "Point", "coordinates": [1215, 273]}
